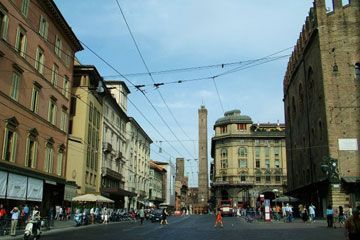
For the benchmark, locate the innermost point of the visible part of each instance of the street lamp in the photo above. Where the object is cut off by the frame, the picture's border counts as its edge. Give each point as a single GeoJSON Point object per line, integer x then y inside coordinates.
{"type": "Point", "coordinates": [330, 167]}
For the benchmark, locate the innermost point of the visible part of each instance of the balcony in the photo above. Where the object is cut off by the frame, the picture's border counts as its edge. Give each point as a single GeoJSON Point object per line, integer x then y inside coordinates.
{"type": "Point", "coordinates": [107, 172]}
{"type": "Point", "coordinates": [107, 147]}
{"type": "Point", "coordinates": [232, 183]}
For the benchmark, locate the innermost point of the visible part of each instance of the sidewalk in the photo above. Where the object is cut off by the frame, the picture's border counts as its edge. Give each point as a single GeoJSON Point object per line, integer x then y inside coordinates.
{"type": "Point", "coordinates": [58, 226]}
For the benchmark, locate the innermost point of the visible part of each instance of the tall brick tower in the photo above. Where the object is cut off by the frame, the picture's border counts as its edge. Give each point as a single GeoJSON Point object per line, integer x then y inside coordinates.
{"type": "Point", "coordinates": [203, 194]}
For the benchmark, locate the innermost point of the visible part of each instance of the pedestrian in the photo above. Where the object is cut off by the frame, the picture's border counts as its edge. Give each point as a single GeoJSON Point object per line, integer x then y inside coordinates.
{"type": "Point", "coordinates": [219, 219]}
{"type": "Point", "coordinates": [68, 213]}
{"type": "Point", "coordinates": [305, 214]}
{"type": "Point", "coordinates": [301, 210]}
{"type": "Point", "coordinates": [312, 213]}
{"type": "Point", "coordinates": [352, 225]}
{"type": "Point", "coordinates": [57, 212]}
{"type": "Point", "coordinates": [141, 215]}
{"type": "Point", "coordinates": [164, 216]}
{"type": "Point", "coordinates": [26, 212]}
{"type": "Point", "coordinates": [92, 215]}
{"type": "Point", "coordinates": [2, 211]}
{"type": "Point", "coordinates": [341, 217]}
{"type": "Point", "coordinates": [330, 216]}
{"type": "Point", "coordinates": [14, 220]}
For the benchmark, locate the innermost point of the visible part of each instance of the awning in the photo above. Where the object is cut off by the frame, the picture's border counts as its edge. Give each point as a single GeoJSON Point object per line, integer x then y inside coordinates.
{"type": "Point", "coordinates": [92, 198]}
{"type": "Point", "coordinates": [117, 191]}
{"type": "Point", "coordinates": [350, 179]}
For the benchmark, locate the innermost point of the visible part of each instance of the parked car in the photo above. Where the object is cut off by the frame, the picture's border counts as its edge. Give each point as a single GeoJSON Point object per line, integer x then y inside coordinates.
{"type": "Point", "coordinates": [155, 215]}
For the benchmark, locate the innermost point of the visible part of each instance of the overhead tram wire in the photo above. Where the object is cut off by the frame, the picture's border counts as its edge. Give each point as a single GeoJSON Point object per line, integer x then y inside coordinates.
{"type": "Point", "coordinates": [149, 73]}
{"type": "Point", "coordinates": [218, 94]}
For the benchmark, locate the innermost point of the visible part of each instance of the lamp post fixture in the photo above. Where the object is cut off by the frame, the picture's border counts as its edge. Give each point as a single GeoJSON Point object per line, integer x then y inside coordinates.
{"type": "Point", "coordinates": [330, 167]}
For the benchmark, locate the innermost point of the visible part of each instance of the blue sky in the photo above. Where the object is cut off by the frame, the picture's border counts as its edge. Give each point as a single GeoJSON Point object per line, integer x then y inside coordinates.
{"type": "Point", "coordinates": [175, 34]}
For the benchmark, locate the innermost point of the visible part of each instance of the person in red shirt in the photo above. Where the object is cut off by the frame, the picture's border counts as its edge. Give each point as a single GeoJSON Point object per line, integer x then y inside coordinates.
{"type": "Point", "coordinates": [218, 219]}
{"type": "Point", "coordinates": [2, 211]}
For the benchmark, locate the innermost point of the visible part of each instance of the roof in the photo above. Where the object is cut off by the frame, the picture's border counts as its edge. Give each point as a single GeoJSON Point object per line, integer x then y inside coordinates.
{"type": "Point", "coordinates": [56, 14]}
{"type": "Point", "coordinates": [351, 179]}
{"type": "Point", "coordinates": [155, 166]}
{"type": "Point", "coordinates": [114, 82]}
{"type": "Point", "coordinates": [233, 116]}
{"type": "Point", "coordinates": [137, 125]}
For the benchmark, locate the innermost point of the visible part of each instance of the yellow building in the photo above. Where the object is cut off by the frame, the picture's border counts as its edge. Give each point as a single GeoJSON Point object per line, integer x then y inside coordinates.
{"type": "Point", "coordinates": [249, 160]}
{"type": "Point", "coordinates": [83, 165]}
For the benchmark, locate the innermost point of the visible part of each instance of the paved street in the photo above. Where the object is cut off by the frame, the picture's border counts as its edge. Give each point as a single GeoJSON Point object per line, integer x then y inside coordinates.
{"type": "Point", "coordinates": [201, 227]}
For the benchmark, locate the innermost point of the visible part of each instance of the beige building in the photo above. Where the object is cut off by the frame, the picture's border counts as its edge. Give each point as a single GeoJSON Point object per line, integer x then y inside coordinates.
{"type": "Point", "coordinates": [157, 184]}
{"type": "Point", "coordinates": [37, 48]}
{"type": "Point", "coordinates": [138, 164]}
{"type": "Point", "coordinates": [321, 97]}
{"type": "Point", "coordinates": [114, 162]}
{"type": "Point", "coordinates": [85, 130]}
{"type": "Point", "coordinates": [249, 160]}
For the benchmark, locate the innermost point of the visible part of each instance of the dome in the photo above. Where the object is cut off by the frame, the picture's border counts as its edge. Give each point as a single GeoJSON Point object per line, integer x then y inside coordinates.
{"type": "Point", "coordinates": [233, 116]}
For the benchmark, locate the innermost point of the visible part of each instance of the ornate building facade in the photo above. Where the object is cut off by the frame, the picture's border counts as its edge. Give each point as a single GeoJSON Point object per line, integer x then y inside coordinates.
{"type": "Point", "coordinates": [249, 160]}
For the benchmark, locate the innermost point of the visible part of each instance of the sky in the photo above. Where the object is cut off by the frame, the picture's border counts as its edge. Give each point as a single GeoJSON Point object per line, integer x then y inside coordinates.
{"type": "Point", "coordinates": [246, 43]}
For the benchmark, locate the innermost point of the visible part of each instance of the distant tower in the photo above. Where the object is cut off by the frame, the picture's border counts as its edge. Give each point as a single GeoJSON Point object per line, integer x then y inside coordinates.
{"type": "Point", "coordinates": [203, 194]}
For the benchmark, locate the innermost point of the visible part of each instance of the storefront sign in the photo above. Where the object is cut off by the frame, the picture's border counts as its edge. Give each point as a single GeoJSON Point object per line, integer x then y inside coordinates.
{"type": "Point", "coordinates": [69, 192]}
{"type": "Point", "coordinates": [16, 188]}
{"type": "Point", "coordinates": [35, 189]}
{"type": "Point", "coordinates": [3, 183]}
{"type": "Point", "coordinates": [348, 144]}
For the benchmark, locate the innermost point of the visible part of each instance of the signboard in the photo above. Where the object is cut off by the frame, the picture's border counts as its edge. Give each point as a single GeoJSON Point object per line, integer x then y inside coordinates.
{"type": "Point", "coordinates": [35, 189]}
{"type": "Point", "coordinates": [3, 182]}
{"type": "Point", "coordinates": [16, 188]}
{"type": "Point", "coordinates": [348, 144]}
{"type": "Point", "coordinates": [70, 192]}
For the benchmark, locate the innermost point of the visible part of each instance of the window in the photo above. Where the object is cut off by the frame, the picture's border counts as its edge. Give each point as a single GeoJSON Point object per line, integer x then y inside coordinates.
{"type": "Point", "coordinates": [58, 46]}
{"type": "Point", "coordinates": [49, 157]}
{"type": "Point", "coordinates": [257, 141]}
{"type": "Point", "coordinates": [267, 178]}
{"type": "Point", "coordinates": [223, 129]}
{"type": "Point", "coordinates": [21, 42]}
{"type": "Point", "coordinates": [14, 92]}
{"type": "Point", "coordinates": [40, 60]}
{"type": "Point", "coordinates": [267, 163]}
{"type": "Point", "coordinates": [242, 178]}
{"type": "Point", "coordinates": [91, 109]}
{"type": "Point", "coordinates": [277, 179]}
{"type": "Point", "coordinates": [73, 106]}
{"type": "Point", "coordinates": [31, 149]}
{"type": "Point", "coordinates": [276, 151]}
{"type": "Point", "coordinates": [68, 58]}
{"type": "Point", "coordinates": [35, 99]}
{"type": "Point", "coordinates": [241, 126]}
{"type": "Point", "coordinates": [242, 163]}
{"type": "Point", "coordinates": [60, 158]}
{"type": "Point", "coordinates": [54, 74]}
{"type": "Point", "coordinates": [43, 27]}
{"type": "Point", "coordinates": [267, 151]}
{"type": "Point", "coordinates": [277, 163]}
{"type": "Point", "coordinates": [242, 152]}
{"type": "Point", "coordinates": [4, 23]}
{"type": "Point", "coordinates": [66, 89]}
{"type": "Point", "coordinates": [258, 179]}
{"type": "Point", "coordinates": [223, 153]}
{"type": "Point", "coordinates": [52, 111]}
{"type": "Point", "coordinates": [10, 141]}
{"type": "Point", "coordinates": [301, 98]}
{"type": "Point", "coordinates": [257, 163]}
{"type": "Point", "coordinates": [25, 7]}
{"type": "Point", "coordinates": [257, 151]}
{"type": "Point", "coordinates": [224, 163]}
{"type": "Point", "coordinates": [64, 120]}
{"type": "Point", "coordinates": [357, 70]}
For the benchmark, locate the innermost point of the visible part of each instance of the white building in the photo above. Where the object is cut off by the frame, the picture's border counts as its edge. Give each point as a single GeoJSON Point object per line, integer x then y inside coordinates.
{"type": "Point", "coordinates": [170, 182]}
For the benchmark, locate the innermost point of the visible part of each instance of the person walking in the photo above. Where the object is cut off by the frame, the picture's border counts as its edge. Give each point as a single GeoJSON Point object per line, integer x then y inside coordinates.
{"type": "Point", "coordinates": [352, 225]}
{"type": "Point", "coordinates": [219, 219]}
{"type": "Point", "coordinates": [141, 215]}
{"type": "Point", "coordinates": [330, 216]}
{"type": "Point", "coordinates": [26, 213]}
{"type": "Point", "coordinates": [305, 215]}
{"type": "Point", "coordinates": [2, 211]}
{"type": "Point", "coordinates": [92, 215]}
{"type": "Point", "coordinates": [312, 213]}
{"type": "Point", "coordinates": [14, 220]}
{"type": "Point", "coordinates": [164, 216]}
{"type": "Point", "coordinates": [341, 217]}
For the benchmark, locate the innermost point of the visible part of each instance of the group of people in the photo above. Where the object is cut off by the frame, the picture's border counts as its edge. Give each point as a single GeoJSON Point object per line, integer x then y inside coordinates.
{"type": "Point", "coordinates": [17, 214]}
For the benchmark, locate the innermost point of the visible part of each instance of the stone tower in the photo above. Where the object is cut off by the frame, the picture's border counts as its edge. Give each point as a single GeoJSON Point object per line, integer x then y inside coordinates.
{"type": "Point", "coordinates": [203, 195]}
{"type": "Point", "coordinates": [180, 169]}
